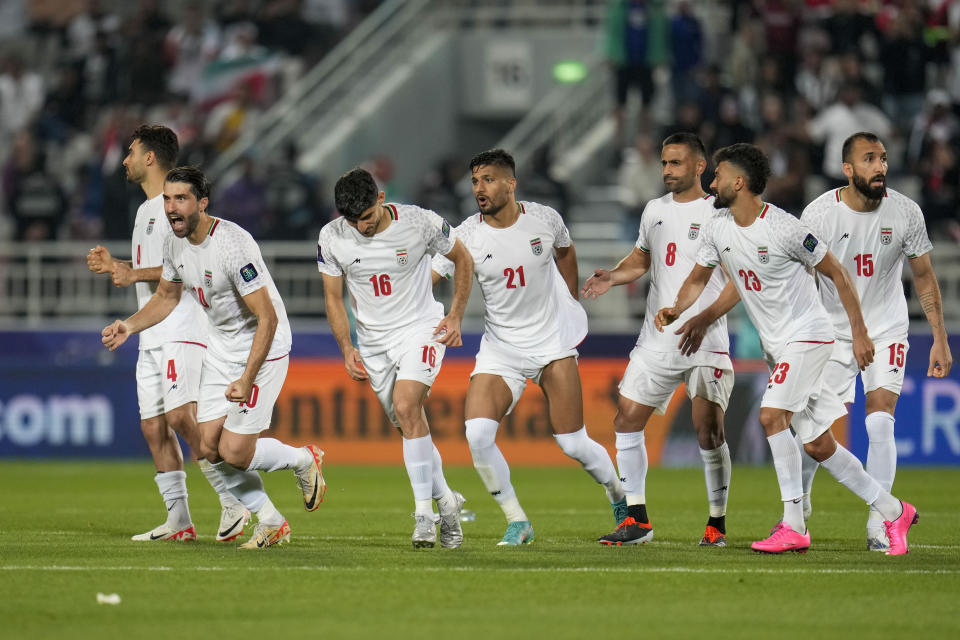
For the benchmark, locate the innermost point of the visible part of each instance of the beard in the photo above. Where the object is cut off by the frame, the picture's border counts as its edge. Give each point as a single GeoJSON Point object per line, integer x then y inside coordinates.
{"type": "Point", "coordinates": [721, 202]}
{"type": "Point", "coordinates": [869, 192]}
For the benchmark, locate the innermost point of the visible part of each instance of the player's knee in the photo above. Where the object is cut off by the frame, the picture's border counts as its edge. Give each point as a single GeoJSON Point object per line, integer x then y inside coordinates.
{"type": "Point", "coordinates": [574, 444]}
{"type": "Point", "coordinates": [624, 422]}
{"type": "Point", "coordinates": [407, 411]}
{"type": "Point", "coordinates": [481, 433]}
{"type": "Point", "coordinates": [773, 421]}
{"type": "Point", "coordinates": [710, 439]}
{"type": "Point", "coordinates": [822, 447]}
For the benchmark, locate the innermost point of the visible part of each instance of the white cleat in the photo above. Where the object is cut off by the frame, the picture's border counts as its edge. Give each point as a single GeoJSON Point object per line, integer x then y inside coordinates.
{"type": "Point", "coordinates": [167, 532]}
{"type": "Point", "coordinates": [451, 533]}
{"type": "Point", "coordinates": [232, 521]}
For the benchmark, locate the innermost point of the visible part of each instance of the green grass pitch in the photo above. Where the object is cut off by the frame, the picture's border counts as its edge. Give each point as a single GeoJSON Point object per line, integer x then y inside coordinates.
{"type": "Point", "coordinates": [350, 571]}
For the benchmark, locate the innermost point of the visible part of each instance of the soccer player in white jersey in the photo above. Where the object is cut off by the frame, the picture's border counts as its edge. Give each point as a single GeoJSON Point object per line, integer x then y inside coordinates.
{"type": "Point", "coordinates": [667, 248]}
{"type": "Point", "coordinates": [767, 253]}
{"type": "Point", "coordinates": [526, 266]}
{"type": "Point", "coordinates": [168, 369]}
{"type": "Point", "coordinates": [247, 356]}
{"type": "Point", "coordinates": [871, 229]}
{"type": "Point", "coordinates": [383, 253]}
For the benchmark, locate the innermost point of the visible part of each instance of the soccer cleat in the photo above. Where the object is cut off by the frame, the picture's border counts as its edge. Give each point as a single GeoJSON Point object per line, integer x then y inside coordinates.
{"type": "Point", "coordinates": [232, 521]}
{"type": "Point", "coordinates": [265, 536]}
{"type": "Point", "coordinates": [783, 538]}
{"type": "Point", "coordinates": [518, 532]}
{"type": "Point", "coordinates": [166, 532]}
{"type": "Point", "coordinates": [713, 538]}
{"type": "Point", "coordinates": [451, 533]}
{"type": "Point", "coordinates": [425, 532]}
{"type": "Point", "coordinates": [628, 532]}
{"type": "Point", "coordinates": [311, 480]}
{"type": "Point", "coordinates": [897, 530]}
{"type": "Point", "coordinates": [619, 511]}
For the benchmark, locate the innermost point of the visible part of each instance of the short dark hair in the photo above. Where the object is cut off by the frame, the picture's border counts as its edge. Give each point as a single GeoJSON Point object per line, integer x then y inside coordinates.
{"type": "Point", "coordinates": [355, 192]}
{"type": "Point", "coordinates": [691, 140]}
{"type": "Point", "coordinates": [849, 142]}
{"type": "Point", "coordinates": [192, 176]}
{"type": "Point", "coordinates": [751, 159]}
{"type": "Point", "coordinates": [496, 158]}
{"type": "Point", "coordinates": [161, 140]}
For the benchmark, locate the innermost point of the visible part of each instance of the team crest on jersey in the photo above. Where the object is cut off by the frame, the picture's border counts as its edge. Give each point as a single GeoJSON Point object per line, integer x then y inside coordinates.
{"type": "Point", "coordinates": [536, 246]}
{"type": "Point", "coordinates": [150, 225]}
{"type": "Point", "coordinates": [886, 235]}
{"type": "Point", "coordinates": [763, 255]}
{"type": "Point", "coordinates": [402, 257]}
{"type": "Point", "coordinates": [694, 231]}
{"type": "Point", "coordinates": [208, 277]}
{"type": "Point", "coordinates": [248, 272]}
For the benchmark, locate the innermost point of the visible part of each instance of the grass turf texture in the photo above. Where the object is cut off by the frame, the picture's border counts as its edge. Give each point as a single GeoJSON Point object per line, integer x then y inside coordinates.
{"type": "Point", "coordinates": [350, 571]}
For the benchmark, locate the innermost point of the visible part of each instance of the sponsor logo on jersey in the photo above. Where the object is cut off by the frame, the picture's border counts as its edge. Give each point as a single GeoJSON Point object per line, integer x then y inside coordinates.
{"type": "Point", "coordinates": [810, 243]}
{"type": "Point", "coordinates": [248, 272]}
{"type": "Point", "coordinates": [763, 255]}
{"type": "Point", "coordinates": [445, 229]}
{"type": "Point", "coordinates": [402, 257]}
{"type": "Point", "coordinates": [886, 235]}
{"type": "Point", "coordinates": [208, 277]}
{"type": "Point", "coordinates": [150, 225]}
{"type": "Point", "coordinates": [694, 231]}
{"type": "Point", "coordinates": [320, 259]}
{"type": "Point", "coordinates": [536, 246]}
{"type": "Point", "coordinates": [844, 237]}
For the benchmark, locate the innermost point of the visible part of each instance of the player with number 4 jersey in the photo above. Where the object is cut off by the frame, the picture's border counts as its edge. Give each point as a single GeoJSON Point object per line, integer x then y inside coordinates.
{"type": "Point", "coordinates": [871, 229]}
{"type": "Point", "coordinates": [382, 253]}
{"type": "Point", "coordinates": [767, 253]}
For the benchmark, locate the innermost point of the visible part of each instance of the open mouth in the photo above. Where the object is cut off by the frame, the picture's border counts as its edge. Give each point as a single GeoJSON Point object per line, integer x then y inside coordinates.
{"type": "Point", "coordinates": [482, 201]}
{"type": "Point", "coordinates": [177, 223]}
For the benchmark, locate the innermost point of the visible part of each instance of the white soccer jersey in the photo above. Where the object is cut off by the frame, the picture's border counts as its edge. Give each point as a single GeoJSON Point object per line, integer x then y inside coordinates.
{"type": "Point", "coordinates": [872, 247]}
{"type": "Point", "coordinates": [670, 234]}
{"type": "Point", "coordinates": [388, 276]}
{"type": "Point", "coordinates": [768, 263]}
{"type": "Point", "coordinates": [186, 322]}
{"type": "Point", "coordinates": [528, 304]}
{"type": "Point", "coordinates": [218, 272]}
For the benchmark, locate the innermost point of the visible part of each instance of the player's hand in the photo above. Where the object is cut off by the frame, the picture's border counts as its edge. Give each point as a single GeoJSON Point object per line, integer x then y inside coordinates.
{"type": "Point", "coordinates": [238, 391]}
{"type": "Point", "coordinates": [692, 333]}
{"type": "Point", "coordinates": [940, 360]}
{"type": "Point", "coordinates": [115, 335]}
{"type": "Point", "coordinates": [664, 317]}
{"type": "Point", "coordinates": [354, 365]}
{"type": "Point", "coordinates": [863, 349]}
{"type": "Point", "coordinates": [99, 260]}
{"type": "Point", "coordinates": [449, 332]}
{"type": "Point", "coordinates": [597, 284]}
{"type": "Point", "coordinates": [122, 275]}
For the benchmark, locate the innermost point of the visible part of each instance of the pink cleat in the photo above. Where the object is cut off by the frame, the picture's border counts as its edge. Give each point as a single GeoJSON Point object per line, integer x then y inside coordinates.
{"type": "Point", "coordinates": [783, 538]}
{"type": "Point", "coordinates": [897, 530]}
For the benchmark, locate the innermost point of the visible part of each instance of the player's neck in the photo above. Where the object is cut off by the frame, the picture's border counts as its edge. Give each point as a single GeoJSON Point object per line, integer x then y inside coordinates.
{"type": "Point", "coordinates": [852, 197]}
{"type": "Point", "coordinates": [505, 217]}
{"type": "Point", "coordinates": [746, 209]}
{"type": "Point", "coordinates": [689, 195]}
{"type": "Point", "coordinates": [153, 185]}
{"type": "Point", "coordinates": [203, 229]}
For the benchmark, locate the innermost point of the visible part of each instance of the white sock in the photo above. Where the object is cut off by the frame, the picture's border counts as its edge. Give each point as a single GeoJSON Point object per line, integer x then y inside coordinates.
{"type": "Point", "coordinates": [492, 466]}
{"type": "Point", "coordinates": [594, 458]}
{"type": "Point", "coordinates": [418, 458]}
{"type": "Point", "coordinates": [440, 490]}
{"type": "Point", "coordinates": [881, 458]}
{"type": "Point", "coordinates": [716, 472]}
{"type": "Point", "coordinates": [213, 477]}
{"type": "Point", "coordinates": [269, 515]}
{"type": "Point", "coordinates": [173, 490]}
{"type": "Point", "coordinates": [632, 463]}
{"type": "Point", "coordinates": [246, 486]}
{"type": "Point", "coordinates": [273, 455]}
{"type": "Point", "coordinates": [809, 468]}
{"type": "Point", "coordinates": [786, 462]}
{"type": "Point", "coordinates": [848, 471]}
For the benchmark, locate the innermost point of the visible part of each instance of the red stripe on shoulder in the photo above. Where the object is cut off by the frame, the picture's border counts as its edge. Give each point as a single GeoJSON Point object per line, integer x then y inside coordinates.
{"type": "Point", "coordinates": [766, 207]}
{"type": "Point", "coordinates": [213, 228]}
{"type": "Point", "coordinates": [522, 208]}
{"type": "Point", "coordinates": [393, 211]}
{"type": "Point", "coordinates": [837, 193]}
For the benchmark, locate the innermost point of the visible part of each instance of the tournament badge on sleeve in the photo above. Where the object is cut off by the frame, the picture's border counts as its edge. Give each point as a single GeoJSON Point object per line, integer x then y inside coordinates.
{"type": "Point", "coordinates": [536, 246]}
{"type": "Point", "coordinates": [694, 231]}
{"type": "Point", "coordinates": [402, 257]}
{"type": "Point", "coordinates": [886, 235]}
{"type": "Point", "coordinates": [763, 255]}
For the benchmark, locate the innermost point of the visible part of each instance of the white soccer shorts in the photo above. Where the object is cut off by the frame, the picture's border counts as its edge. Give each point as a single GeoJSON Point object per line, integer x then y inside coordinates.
{"type": "Point", "coordinates": [418, 357]}
{"type": "Point", "coordinates": [885, 372]}
{"type": "Point", "coordinates": [796, 384]}
{"type": "Point", "coordinates": [168, 377]}
{"type": "Point", "coordinates": [242, 417]}
{"type": "Point", "coordinates": [652, 377]}
{"type": "Point", "coordinates": [514, 367]}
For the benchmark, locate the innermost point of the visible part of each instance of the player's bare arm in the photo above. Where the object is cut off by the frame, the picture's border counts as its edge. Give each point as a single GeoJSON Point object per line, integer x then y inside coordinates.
{"type": "Point", "coordinates": [161, 304]}
{"type": "Point", "coordinates": [340, 325]}
{"type": "Point", "coordinates": [99, 260]}
{"type": "Point", "coordinates": [449, 326]}
{"type": "Point", "coordinates": [693, 330]}
{"type": "Point", "coordinates": [124, 274]}
{"type": "Point", "coordinates": [567, 264]}
{"type": "Point", "coordinates": [928, 292]}
{"type": "Point", "coordinates": [634, 265]}
{"type": "Point", "coordinates": [436, 278]}
{"type": "Point", "coordinates": [690, 290]}
{"type": "Point", "coordinates": [261, 306]}
{"type": "Point", "coordinates": [863, 348]}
